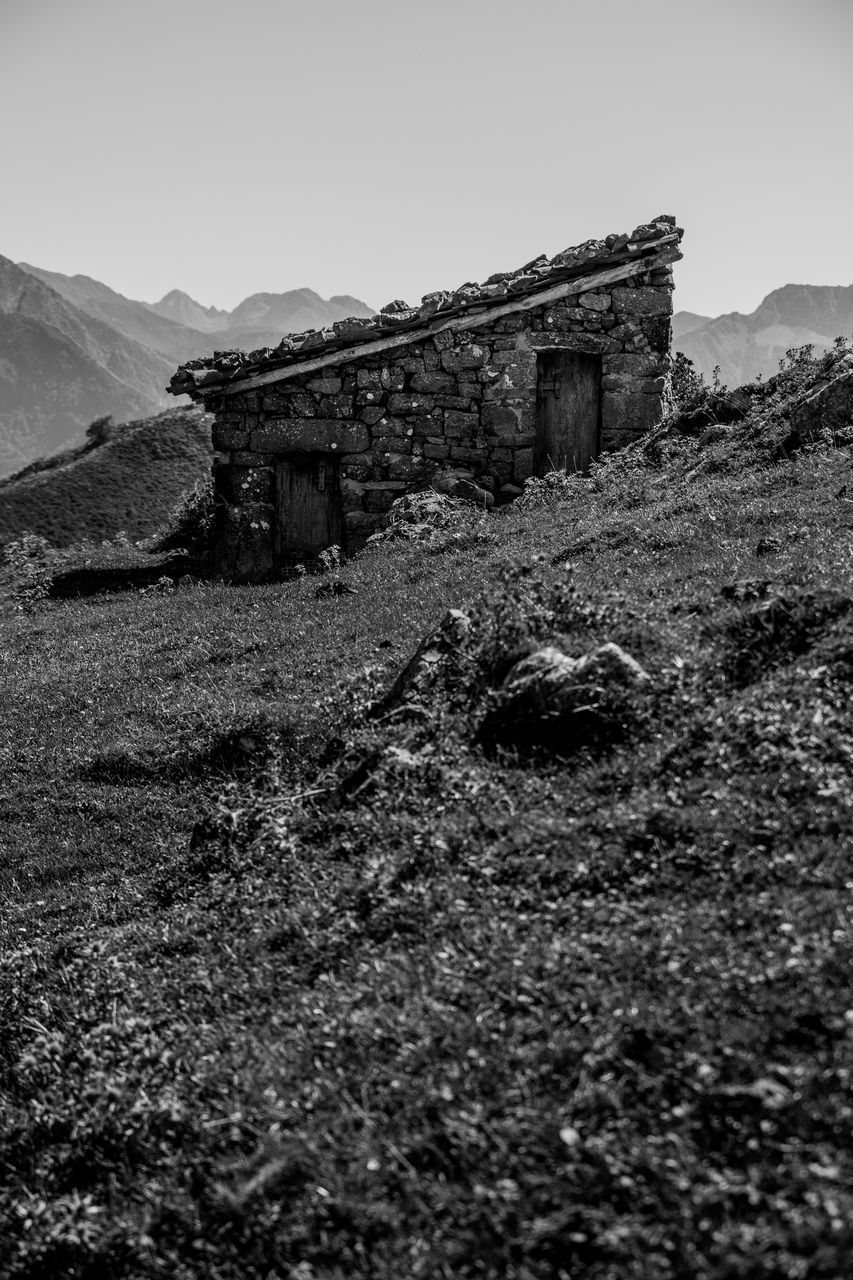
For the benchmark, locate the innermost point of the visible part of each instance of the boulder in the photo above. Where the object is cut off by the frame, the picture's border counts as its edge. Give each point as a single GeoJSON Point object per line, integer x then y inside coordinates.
{"type": "Point", "coordinates": [827, 412]}
{"type": "Point", "coordinates": [430, 661]}
{"type": "Point", "coordinates": [474, 493]}
{"type": "Point", "coordinates": [548, 698]}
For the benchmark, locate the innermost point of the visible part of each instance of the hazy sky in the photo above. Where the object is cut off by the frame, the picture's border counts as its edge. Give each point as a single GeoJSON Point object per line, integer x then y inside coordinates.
{"type": "Point", "coordinates": [386, 148]}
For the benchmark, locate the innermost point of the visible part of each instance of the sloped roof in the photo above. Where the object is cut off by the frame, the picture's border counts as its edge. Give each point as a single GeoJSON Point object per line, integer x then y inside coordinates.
{"type": "Point", "coordinates": [584, 267]}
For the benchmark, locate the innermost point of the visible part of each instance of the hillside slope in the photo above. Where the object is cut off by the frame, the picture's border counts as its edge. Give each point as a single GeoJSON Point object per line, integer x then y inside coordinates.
{"type": "Point", "coordinates": [60, 368]}
{"type": "Point", "coordinates": [130, 483]}
{"type": "Point", "coordinates": [745, 346]}
{"type": "Point", "coordinates": [443, 982]}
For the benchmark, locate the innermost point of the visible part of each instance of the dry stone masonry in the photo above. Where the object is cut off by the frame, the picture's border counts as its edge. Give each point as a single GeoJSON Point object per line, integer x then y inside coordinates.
{"type": "Point", "coordinates": [473, 391]}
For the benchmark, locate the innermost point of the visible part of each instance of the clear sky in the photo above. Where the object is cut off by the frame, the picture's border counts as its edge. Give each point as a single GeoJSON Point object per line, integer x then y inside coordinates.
{"type": "Point", "coordinates": [386, 148]}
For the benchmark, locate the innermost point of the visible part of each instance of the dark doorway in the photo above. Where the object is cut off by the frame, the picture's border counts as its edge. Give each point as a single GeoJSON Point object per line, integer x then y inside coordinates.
{"type": "Point", "coordinates": [308, 516]}
{"type": "Point", "coordinates": [568, 411]}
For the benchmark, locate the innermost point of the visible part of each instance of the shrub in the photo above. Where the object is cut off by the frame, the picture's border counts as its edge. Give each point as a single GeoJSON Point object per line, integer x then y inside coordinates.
{"type": "Point", "coordinates": [190, 526]}
{"type": "Point", "coordinates": [689, 389]}
{"type": "Point", "coordinates": [100, 431]}
{"type": "Point", "coordinates": [29, 559]}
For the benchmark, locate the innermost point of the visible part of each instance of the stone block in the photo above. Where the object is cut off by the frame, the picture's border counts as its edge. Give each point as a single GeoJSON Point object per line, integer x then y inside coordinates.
{"type": "Point", "coordinates": [291, 400]}
{"type": "Point", "coordinates": [412, 365]}
{"type": "Point", "coordinates": [471, 355]}
{"type": "Point", "coordinates": [511, 324]}
{"type": "Point", "coordinates": [595, 301]}
{"type": "Point", "coordinates": [642, 302]}
{"type": "Point", "coordinates": [324, 386]}
{"type": "Point", "coordinates": [352, 494]}
{"type": "Point", "coordinates": [635, 364]}
{"type": "Point", "coordinates": [589, 343]}
{"type": "Point", "coordinates": [383, 446]}
{"type": "Point", "coordinates": [453, 402]}
{"type": "Point", "coordinates": [424, 428]}
{"type": "Point", "coordinates": [371, 415]}
{"type": "Point", "coordinates": [434, 382]}
{"type": "Point", "coordinates": [629, 412]}
{"type": "Point", "coordinates": [500, 420]}
{"type": "Point", "coordinates": [225, 436]}
{"type": "Point", "coordinates": [460, 424]}
{"type": "Point", "coordinates": [310, 435]}
{"type": "Point", "coordinates": [378, 500]}
{"type": "Point", "coordinates": [246, 458]}
{"type": "Point", "coordinates": [364, 399]}
{"type": "Point", "coordinates": [662, 276]}
{"type": "Point", "coordinates": [357, 466]}
{"type": "Point", "coordinates": [368, 379]}
{"type": "Point", "coordinates": [339, 406]}
{"type": "Point", "coordinates": [243, 485]}
{"type": "Point", "coordinates": [513, 356]}
{"type": "Point", "coordinates": [388, 426]}
{"type": "Point", "coordinates": [392, 378]}
{"type": "Point", "coordinates": [436, 450]}
{"type": "Point", "coordinates": [401, 467]}
{"type": "Point", "coordinates": [387, 486]}
{"type": "Point", "coordinates": [362, 520]}
{"type": "Point", "coordinates": [244, 543]}
{"type": "Point", "coordinates": [411, 403]}
{"type": "Point", "coordinates": [563, 317]}
{"type": "Point", "coordinates": [658, 331]}
{"type": "Point", "coordinates": [463, 453]}
{"type": "Point", "coordinates": [522, 465]}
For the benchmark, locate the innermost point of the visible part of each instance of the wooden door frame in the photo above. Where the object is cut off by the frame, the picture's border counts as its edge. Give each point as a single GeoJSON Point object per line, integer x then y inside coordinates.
{"type": "Point", "coordinates": [542, 355]}
{"type": "Point", "coordinates": [292, 459]}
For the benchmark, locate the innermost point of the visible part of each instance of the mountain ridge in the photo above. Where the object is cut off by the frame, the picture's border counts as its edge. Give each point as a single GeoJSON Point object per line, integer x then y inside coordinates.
{"type": "Point", "coordinates": [73, 349]}
{"type": "Point", "coordinates": [745, 346]}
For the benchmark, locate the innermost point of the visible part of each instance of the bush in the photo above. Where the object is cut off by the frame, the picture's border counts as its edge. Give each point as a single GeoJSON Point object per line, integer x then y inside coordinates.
{"type": "Point", "coordinates": [29, 559]}
{"type": "Point", "coordinates": [190, 526]}
{"type": "Point", "coordinates": [689, 389]}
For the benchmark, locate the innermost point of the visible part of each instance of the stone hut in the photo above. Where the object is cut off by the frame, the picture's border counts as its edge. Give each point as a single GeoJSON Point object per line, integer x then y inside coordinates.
{"type": "Point", "coordinates": [537, 369]}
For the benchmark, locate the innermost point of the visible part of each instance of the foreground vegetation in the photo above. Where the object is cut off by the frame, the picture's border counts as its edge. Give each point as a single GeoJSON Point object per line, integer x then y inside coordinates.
{"type": "Point", "coordinates": [311, 972]}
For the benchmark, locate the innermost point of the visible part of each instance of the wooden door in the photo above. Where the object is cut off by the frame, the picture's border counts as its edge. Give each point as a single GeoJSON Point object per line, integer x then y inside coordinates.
{"type": "Point", "coordinates": [308, 515]}
{"type": "Point", "coordinates": [568, 411]}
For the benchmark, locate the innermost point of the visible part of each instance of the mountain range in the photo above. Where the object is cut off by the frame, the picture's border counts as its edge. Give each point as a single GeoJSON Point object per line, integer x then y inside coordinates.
{"type": "Point", "coordinates": [72, 350]}
{"type": "Point", "coordinates": [744, 346]}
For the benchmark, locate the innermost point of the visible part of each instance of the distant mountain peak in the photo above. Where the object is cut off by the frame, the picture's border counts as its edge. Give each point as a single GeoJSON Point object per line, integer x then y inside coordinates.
{"type": "Point", "coordinates": [744, 346]}
{"type": "Point", "coordinates": [179, 306]}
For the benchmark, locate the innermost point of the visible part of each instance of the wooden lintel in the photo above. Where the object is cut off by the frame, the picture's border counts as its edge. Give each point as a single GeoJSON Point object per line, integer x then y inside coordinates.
{"type": "Point", "coordinates": [666, 251]}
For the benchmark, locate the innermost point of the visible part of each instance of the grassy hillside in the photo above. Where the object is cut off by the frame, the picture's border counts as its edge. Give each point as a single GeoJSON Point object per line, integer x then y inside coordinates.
{"type": "Point", "coordinates": [131, 482]}
{"type": "Point", "coordinates": [322, 965]}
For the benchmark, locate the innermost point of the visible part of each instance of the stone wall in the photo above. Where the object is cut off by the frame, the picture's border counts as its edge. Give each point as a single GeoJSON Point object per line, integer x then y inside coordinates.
{"type": "Point", "coordinates": [457, 404]}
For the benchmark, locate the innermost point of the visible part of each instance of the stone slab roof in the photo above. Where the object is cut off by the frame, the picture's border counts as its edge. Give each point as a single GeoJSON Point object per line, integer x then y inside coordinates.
{"type": "Point", "coordinates": [591, 265]}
